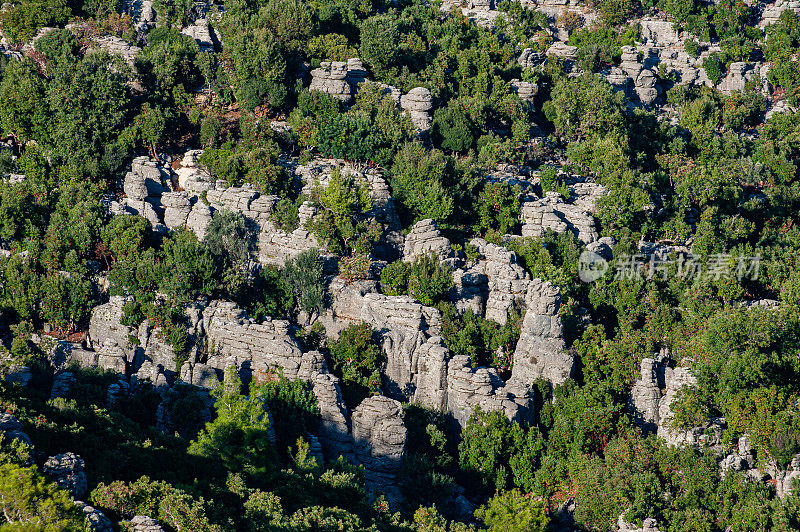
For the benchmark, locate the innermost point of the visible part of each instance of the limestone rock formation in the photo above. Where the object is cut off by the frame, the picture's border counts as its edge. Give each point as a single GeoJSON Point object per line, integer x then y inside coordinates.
{"type": "Point", "coordinates": [379, 437]}
{"type": "Point", "coordinates": [648, 525]}
{"type": "Point", "coordinates": [68, 471]}
{"type": "Point", "coordinates": [507, 280]}
{"type": "Point", "coordinates": [61, 384]}
{"type": "Point", "coordinates": [260, 347]}
{"type": "Point", "coordinates": [330, 78]}
{"type": "Point", "coordinates": [738, 75]}
{"type": "Point", "coordinates": [198, 219]}
{"type": "Point", "coordinates": [552, 212]}
{"type": "Point", "coordinates": [116, 46]}
{"type": "Point", "coordinates": [177, 206]}
{"type": "Point", "coordinates": [710, 434]}
{"type": "Point", "coordinates": [141, 523]}
{"type": "Point", "coordinates": [525, 90]}
{"type": "Point", "coordinates": [646, 395]}
{"type": "Point", "coordinates": [203, 34]}
{"type": "Point", "coordinates": [541, 351]}
{"type": "Point", "coordinates": [529, 59]}
{"type": "Point", "coordinates": [469, 387]}
{"type": "Point", "coordinates": [425, 238]}
{"type": "Point", "coordinates": [97, 520]}
{"type": "Point", "coordinates": [418, 104]}
{"type": "Point", "coordinates": [11, 429]}
{"type": "Point", "coordinates": [105, 324]}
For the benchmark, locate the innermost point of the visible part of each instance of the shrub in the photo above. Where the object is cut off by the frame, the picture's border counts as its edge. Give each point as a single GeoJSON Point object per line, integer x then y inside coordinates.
{"type": "Point", "coordinates": [429, 280]}
{"type": "Point", "coordinates": [303, 275]}
{"type": "Point", "coordinates": [357, 361]}
{"type": "Point", "coordinates": [714, 65]}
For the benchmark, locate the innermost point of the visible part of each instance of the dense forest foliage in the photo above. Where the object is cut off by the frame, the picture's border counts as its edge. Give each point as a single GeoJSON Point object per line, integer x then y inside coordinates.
{"type": "Point", "coordinates": [702, 169]}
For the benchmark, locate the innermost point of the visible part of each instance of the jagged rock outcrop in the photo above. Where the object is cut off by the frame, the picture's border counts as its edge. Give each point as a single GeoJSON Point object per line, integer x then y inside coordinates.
{"type": "Point", "coordinates": [141, 523]}
{"type": "Point", "coordinates": [330, 78]}
{"type": "Point", "coordinates": [552, 212]}
{"type": "Point", "coordinates": [258, 347]}
{"type": "Point", "coordinates": [785, 478]}
{"type": "Point", "coordinates": [468, 387]}
{"type": "Point", "coordinates": [529, 59]}
{"type": "Point", "coordinates": [68, 471]}
{"type": "Point", "coordinates": [105, 324]}
{"type": "Point", "coordinates": [771, 12]}
{"type": "Point", "coordinates": [425, 238]}
{"type": "Point", "coordinates": [410, 333]}
{"type": "Point", "coordinates": [379, 437]}
{"type": "Point", "coordinates": [357, 73]}
{"type": "Point", "coordinates": [116, 46]}
{"type": "Point", "coordinates": [525, 90]}
{"type": "Point", "coordinates": [737, 77]}
{"type": "Point", "coordinates": [12, 429]}
{"type": "Point", "coordinates": [507, 281]}
{"type": "Point", "coordinates": [97, 520]}
{"type": "Point", "coordinates": [142, 13]}
{"type": "Point", "coordinates": [708, 435]}
{"type": "Point", "coordinates": [658, 32]}
{"type": "Point", "coordinates": [742, 458]}
{"type": "Point", "coordinates": [203, 34]}
{"type": "Point", "coordinates": [419, 367]}
{"type": "Point", "coordinates": [61, 384]}
{"type": "Point", "coordinates": [646, 396]}
{"type": "Point", "coordinates": [177, 206]}
{"type": "Point", "coordinates": [112, 356]}
{"type": "Point", "coordinates": [198, 219]}
{"type": "Point", "coordinates": [418, 104]}
{"type": "Point", "coordinates": [648, 525]}
{"type": "Point", "coordinates": [541, 350]}
{"type": "Point", "coordinates": [191, 177]}
{"type": "Point", "coordinates": [244, 200]}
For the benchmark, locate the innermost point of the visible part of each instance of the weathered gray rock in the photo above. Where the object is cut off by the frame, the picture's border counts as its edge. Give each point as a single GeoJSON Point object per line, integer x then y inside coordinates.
{"type": "Point", "coordinates": [525, 90]}
{"type": "Point", "coordinates": [116, 46]}
{"type": "Point", "coordinates": [648, 525]}
{"type": "Point", "coordinates": [203, 34]}
{"type": "Point", "coordinates": [112, 356]}
{"type": "Point", "coordinates": [529, 59]}
{"type": "Point", "coordinates": [177, 206]}
{"type": "Point", "coordinates": [552, 212]}
{"type": "Point", "coordinates": [141, 523]}
{"type": "Point", "coordinates": [198, 219]}
{"type": "Point", "coordinates": [68, 471]}
{"type": "Point", "coordinates": [11, 429]}
{"type": "Point", "coordinates": [507, 284]}
{"type": "Point", "coordinates": [379, 437]}
{"type": "Point", "coordinates": [469, 387]}
{"type": "Point", "coordinates": [785, 479]}
{"type": "Point", "coordinates": [259, 347]}
{"type": "Point", "coordinates": [330, 78]}
{"type": "Point", "coordinates": [659, 32]}
{"type": "Point", "coordinates": [646, 396]}
{"type": "Point", "coordinates": [737, 77]}
{"type": "Point", "coordinates": [541, 350]}
{"type": "Point", "coordinates": [105, 324]}
{"type": "Point", "coordinates": [97, 520]}
{"type": "Point", "coordinates": [418, 104]}
{"type": "Point", "coordinates": [425, 238]}
{"type": "Point", "coordinates": [708, 435]}
{"type": "Point", "coordinates": [61, 384]}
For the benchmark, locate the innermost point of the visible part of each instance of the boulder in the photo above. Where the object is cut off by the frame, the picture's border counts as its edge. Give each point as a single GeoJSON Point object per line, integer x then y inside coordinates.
{"type": "Point", "coordinates": [68, 471]}
{"type": "Point", "coordinates": [425, 238]}
{"type": "Point", "coordinates": [418, 103]}
{"type": "Point", "coordinates": [379, 437]}
{"type": "Point", "coordinates": [541, 351]}
{"type": "Point", "coordinates": [552, 212]}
